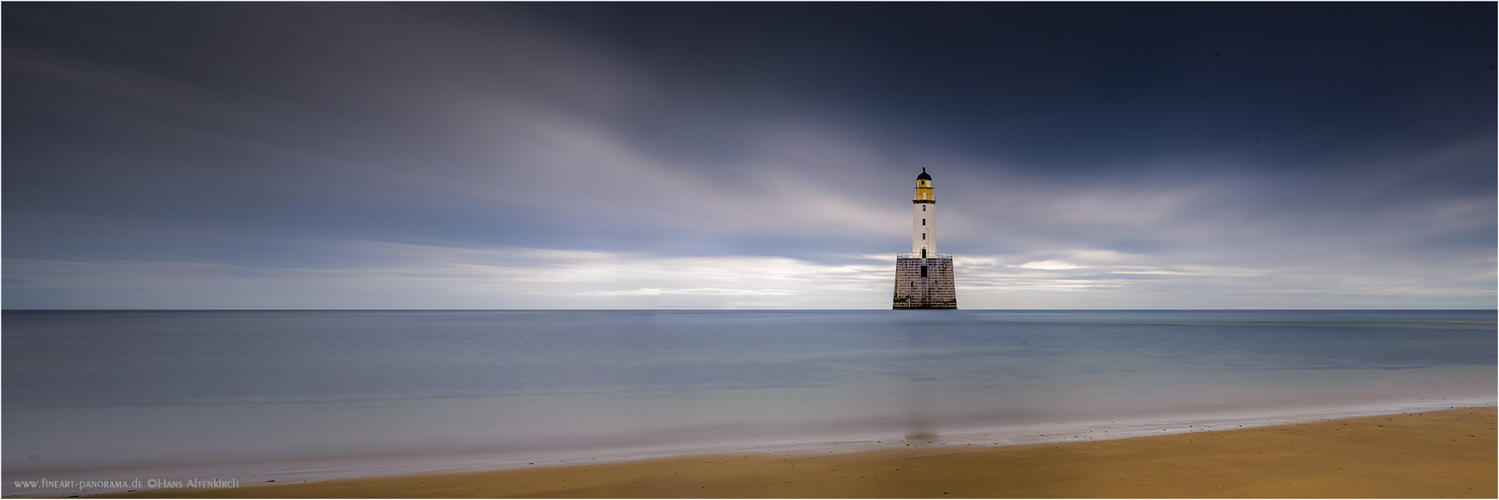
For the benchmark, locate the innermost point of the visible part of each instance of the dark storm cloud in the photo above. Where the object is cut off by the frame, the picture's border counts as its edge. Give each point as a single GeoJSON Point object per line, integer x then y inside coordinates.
{"type": "Point", "coordinates": [1233, 150]}
{"type": "Point", "coordinates": [1075, 86]}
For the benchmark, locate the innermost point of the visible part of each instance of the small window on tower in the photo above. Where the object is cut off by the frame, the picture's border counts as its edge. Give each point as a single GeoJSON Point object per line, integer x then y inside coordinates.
{"type": "Point", "coordinates": [923, 236]}
{"type": "Point", "coordinates": [923, 222]}
{"type": "Point", "coordinates": [923, 271]}
{"type": "Point", "coordinates": [923, 208]}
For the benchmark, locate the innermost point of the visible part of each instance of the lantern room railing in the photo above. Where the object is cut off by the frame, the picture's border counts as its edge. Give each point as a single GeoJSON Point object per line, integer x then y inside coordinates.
{"type": "Point", "coordinates": [918, 256]}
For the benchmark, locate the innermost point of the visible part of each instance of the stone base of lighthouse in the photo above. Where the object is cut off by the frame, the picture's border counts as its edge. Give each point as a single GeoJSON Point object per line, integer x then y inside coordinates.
{"type": "Point", "coordinates": [924, 283]}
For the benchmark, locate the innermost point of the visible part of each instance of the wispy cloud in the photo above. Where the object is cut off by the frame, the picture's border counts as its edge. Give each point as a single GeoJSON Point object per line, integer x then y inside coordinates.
{"type": "Point", "coordinates": [415, 276]}
{"type": "Point", "coordinates": [421, 277]}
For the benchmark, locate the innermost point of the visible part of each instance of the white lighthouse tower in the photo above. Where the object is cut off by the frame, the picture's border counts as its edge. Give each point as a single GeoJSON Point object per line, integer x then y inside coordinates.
{"type": "Point", "coordinates": [924, 217]}
{"type": "Point", "coordinates": [924, 278]}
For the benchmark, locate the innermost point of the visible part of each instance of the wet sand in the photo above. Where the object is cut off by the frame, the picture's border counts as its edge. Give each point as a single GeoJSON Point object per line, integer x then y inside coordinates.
{"type": "Point", "coordinates": [1445, 454]}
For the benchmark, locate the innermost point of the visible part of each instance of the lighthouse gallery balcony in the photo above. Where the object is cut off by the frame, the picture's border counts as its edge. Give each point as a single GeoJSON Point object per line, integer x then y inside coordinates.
{"type": "Point", "coordinates": [913, 255]}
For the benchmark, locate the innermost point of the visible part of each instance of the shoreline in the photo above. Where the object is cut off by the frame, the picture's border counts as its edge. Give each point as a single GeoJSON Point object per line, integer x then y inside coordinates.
{"type": "Point", "coordinates": [1036, 430]}
{"type": "Point", "coordinates": [1441, 453]}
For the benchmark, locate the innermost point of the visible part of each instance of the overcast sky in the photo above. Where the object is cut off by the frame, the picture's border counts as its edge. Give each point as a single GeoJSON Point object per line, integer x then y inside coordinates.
{"type": "Point", "coordinates": [473, 155]}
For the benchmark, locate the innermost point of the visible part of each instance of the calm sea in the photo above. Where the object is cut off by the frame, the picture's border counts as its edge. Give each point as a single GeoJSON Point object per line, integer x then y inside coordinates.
{"type": "Point", "coordinates": [259, 395]}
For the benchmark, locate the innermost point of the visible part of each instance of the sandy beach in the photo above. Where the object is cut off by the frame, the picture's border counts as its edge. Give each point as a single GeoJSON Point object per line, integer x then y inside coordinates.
{"type": "Point", "coordinates": [1442, 454]}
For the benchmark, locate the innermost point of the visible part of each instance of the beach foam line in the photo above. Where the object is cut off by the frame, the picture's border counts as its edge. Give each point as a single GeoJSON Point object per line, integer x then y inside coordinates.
{"type": "Point", "coordinates": [300, 471]}
{"type": "Point", "coordinates": [1021, 434]}
{"type": "Point", "coordinates": [1446, 453]}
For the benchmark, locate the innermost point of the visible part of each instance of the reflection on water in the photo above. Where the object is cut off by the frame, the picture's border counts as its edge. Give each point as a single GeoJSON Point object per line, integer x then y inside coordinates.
{"type": "Point", "coordinates": [97, 389]}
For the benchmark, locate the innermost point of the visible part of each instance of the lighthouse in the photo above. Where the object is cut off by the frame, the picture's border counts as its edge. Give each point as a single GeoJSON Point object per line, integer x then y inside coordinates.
{"type": "Point", "coordinates": [924, 278]}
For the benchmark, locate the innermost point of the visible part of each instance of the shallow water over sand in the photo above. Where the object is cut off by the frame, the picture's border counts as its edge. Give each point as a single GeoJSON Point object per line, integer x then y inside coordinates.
{"type": "Point", "coordinates": [256, 394]}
